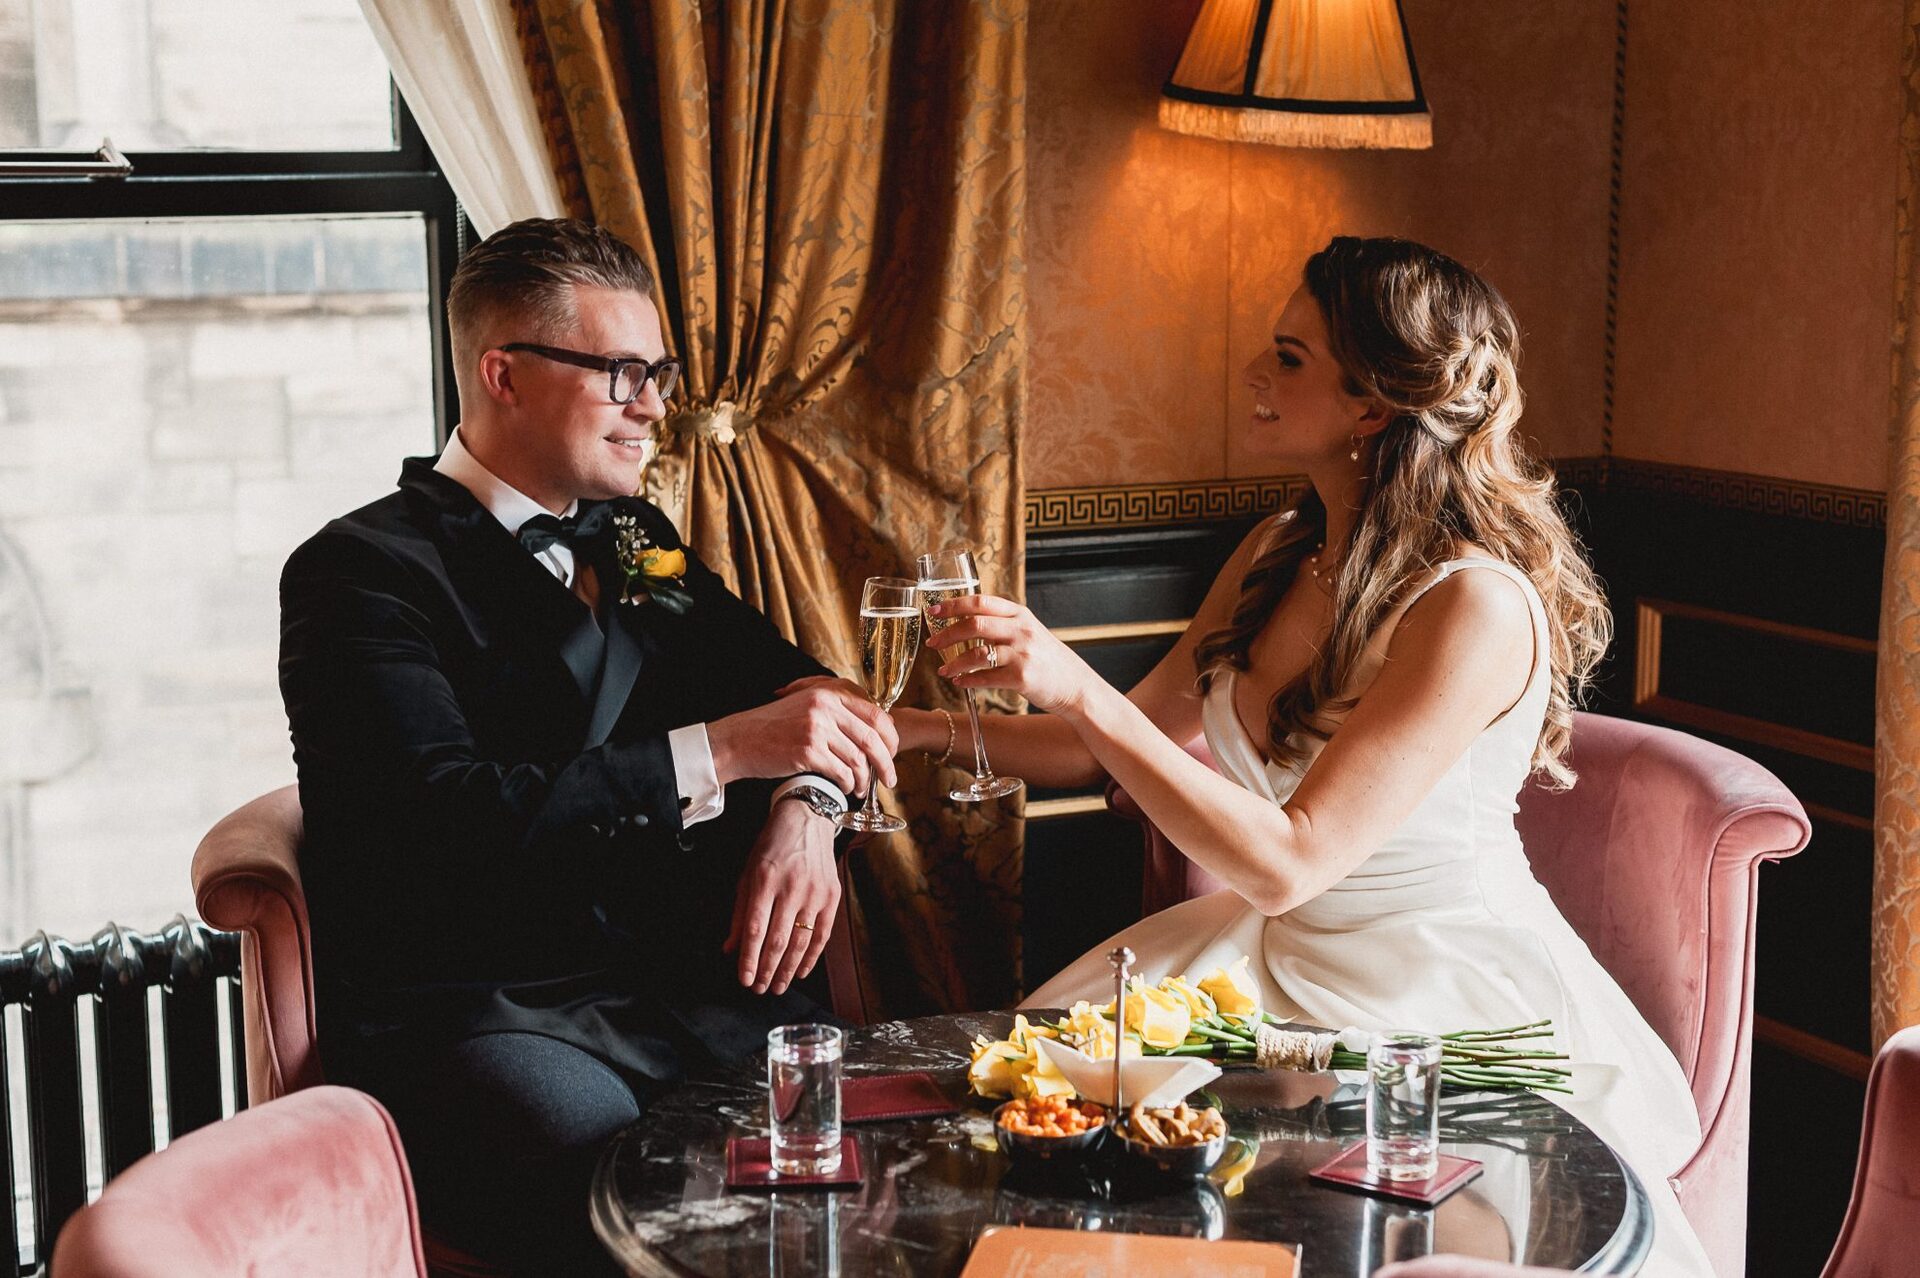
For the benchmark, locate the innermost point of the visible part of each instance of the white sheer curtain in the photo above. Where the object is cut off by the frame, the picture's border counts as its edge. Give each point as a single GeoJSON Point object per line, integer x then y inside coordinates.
{"type": "Point", "coordinates": [458, 65]}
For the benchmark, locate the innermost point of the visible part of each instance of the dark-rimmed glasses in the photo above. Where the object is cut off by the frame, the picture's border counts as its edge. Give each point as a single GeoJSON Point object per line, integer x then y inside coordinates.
{"type": "Point", "coordinates": [626, 376]}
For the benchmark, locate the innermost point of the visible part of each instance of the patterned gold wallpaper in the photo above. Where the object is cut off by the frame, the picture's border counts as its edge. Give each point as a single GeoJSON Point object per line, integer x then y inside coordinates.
{"type": "Point", "coordinates": [1757, 231]}
{"type": "Point", "coordinates": [1159, 261]}
{"type": "Point", "coordinates": [1756, 298]}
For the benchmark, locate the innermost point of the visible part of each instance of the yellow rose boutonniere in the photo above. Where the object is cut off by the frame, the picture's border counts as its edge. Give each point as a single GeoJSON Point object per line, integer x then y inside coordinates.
{"type": "Point", "coordinates": [651, 572]}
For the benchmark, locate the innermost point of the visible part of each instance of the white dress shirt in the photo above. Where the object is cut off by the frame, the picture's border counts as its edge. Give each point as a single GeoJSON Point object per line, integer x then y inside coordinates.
{"type": "Point", "coordinates": [702, 797]}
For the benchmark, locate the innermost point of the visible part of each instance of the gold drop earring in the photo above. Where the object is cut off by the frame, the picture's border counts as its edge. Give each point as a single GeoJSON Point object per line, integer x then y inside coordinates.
{"type": "Point", "coordinates": [1354, 455]}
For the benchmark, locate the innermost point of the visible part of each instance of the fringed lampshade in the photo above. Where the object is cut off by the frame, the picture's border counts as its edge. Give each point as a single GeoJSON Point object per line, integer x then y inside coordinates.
{"type": "Point", "coordinates": [1331, 73]}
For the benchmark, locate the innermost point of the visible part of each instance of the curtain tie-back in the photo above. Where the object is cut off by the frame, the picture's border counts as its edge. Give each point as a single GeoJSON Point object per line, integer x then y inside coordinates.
{"type": "Point", "coordinates": [719, 423]}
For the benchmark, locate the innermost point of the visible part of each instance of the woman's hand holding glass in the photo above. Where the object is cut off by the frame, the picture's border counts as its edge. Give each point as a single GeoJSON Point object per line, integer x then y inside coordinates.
{"type": "Point", "coordinates": [990, 642]}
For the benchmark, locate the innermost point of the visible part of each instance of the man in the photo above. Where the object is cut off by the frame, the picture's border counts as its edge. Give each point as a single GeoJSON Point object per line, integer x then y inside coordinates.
{"type": "Point", "coordinates": [553, 772]}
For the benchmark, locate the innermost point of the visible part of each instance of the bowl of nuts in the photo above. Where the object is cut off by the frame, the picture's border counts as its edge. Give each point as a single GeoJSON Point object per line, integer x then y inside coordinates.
{"type": "Point", "coordinates": [1039, 1129]}
{"type": "Point", "coordinates": [1180, 1141]}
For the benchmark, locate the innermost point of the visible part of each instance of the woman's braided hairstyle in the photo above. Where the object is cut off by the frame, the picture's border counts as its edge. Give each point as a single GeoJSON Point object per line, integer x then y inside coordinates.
{"type": "Point", "coordinates": [1439, 347]}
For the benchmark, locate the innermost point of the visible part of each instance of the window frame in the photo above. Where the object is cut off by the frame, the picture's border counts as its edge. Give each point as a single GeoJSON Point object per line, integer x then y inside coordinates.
{"type": "Point", "coordinates": [244, 184]}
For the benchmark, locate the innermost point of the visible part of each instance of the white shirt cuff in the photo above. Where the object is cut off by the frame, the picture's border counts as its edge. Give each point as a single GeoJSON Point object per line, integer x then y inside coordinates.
{"type": "Point", "coordinates": [701, 795]}
{"type": "Point", "coordinates": [818, 783]}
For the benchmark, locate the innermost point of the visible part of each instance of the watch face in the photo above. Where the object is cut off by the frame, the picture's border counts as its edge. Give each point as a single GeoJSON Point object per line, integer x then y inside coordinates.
{"type": "Point", "coordinates": [815, 799]}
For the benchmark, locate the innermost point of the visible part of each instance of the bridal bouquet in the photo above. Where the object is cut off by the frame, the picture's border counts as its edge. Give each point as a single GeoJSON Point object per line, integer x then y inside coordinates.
{"type": "Point", "coordinates": [1219, 1018]}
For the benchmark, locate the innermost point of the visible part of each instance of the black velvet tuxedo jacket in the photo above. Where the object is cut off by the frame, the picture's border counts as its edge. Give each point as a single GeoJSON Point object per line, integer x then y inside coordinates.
{"type": "Point", "coordinates": [470, 864]}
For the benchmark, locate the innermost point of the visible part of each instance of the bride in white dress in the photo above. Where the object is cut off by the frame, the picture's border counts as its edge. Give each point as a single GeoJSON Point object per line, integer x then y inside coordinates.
{"type": "Point", "coordinates": [1377, 672]}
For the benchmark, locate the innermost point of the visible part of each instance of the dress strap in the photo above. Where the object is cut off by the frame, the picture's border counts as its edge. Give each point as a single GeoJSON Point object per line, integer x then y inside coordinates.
{"type": "Point", "coordinates": [1536, 608]}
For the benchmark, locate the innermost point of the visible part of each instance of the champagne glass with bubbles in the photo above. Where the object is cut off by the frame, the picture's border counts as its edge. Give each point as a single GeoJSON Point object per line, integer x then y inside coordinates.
{"type": "Point", "coordinates": [950, 574]}
{"type": "Point", "coordinates": [889, 641]}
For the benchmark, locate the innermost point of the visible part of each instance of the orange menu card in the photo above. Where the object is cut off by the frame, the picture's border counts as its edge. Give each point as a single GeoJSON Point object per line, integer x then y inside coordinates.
{"type": "Point", "coordinates": [1068, 1253]}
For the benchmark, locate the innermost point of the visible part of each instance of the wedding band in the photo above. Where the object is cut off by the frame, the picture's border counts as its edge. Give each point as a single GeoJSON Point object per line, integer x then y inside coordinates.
{"type": "Point", "coordinates": [993, 657]}
{"type": "Point", "coordinates": [799, 927]}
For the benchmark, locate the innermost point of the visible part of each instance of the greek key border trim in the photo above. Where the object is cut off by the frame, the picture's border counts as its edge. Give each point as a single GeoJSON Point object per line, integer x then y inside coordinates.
{"type": "Point", "coordinates": [1143, 505]}
{"type": "Point", "coordinates": [1761, 494]}
{"type": "Point", "coordinates": [1103, 508]}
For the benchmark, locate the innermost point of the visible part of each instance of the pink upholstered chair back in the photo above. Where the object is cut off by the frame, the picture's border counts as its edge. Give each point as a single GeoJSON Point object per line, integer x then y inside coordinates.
{"type": "Point", "coordinates": [1881, 1234]}
{"type": "Point", "coordinates": [1653, 859]}
{"type": "Point", "coordinates": [314, 1184]}
{"type": "Point", "coordinates": [246, 879]}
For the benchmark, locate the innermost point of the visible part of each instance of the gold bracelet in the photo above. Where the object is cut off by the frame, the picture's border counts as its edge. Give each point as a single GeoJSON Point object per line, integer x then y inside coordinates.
{"type": "Point", "coordinates": [948, 752]}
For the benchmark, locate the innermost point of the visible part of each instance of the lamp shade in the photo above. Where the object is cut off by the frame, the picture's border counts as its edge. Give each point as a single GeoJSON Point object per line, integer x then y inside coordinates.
{"type": "Point", "coordinates": [1327, 73]}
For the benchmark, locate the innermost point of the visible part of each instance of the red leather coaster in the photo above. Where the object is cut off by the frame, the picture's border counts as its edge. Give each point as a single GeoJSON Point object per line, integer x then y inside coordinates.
{"type": "Point", "coordinates": [1349, 1171]}
{"type": "Point", "coordinates": [869, 1098]}
{"type": "Point", "coordinates": [750, 1166]}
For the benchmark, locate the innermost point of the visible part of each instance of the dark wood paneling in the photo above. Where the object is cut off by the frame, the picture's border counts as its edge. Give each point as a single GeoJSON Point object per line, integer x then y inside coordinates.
{"type": "Point", "coordinates": [1806, 1137]}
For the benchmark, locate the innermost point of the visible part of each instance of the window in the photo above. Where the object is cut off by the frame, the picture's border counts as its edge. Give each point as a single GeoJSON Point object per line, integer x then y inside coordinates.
{"type": "Point", "coordinates": [199, 365]}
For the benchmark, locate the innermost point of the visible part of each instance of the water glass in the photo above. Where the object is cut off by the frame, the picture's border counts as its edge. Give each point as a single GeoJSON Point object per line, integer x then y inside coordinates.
{"type": "Point", "coordinates": [1403, 1106]}
{"type": "Point", "coordinates": [803, 1098]}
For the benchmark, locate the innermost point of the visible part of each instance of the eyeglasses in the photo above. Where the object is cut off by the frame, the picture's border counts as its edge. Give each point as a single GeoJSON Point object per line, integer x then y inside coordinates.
{"type": "Point", "coordinates": [626, 377]}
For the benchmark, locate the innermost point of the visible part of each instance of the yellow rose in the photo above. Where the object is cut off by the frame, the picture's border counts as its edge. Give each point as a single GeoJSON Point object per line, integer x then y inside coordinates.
{"type": "Point", "coordinates": [993, 1070]}
{"type": "Point", "coordinates": [1043, 1078]}
{"type": "Point", "coordinates": [1161, 1019]}
{"type": "Point", "coordinates": [1093, 1030]}
{"type": "Point", "coordinates": [1233, 989]}
{"type": "Point", "coordinates": [1199, 1003]}
{"type": "Point", "coordinates": [657, 563]}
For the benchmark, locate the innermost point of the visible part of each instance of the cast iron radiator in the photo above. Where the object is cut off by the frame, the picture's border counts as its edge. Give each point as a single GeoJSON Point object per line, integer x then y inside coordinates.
{"type": "Point", "coordinates": [43, 986]}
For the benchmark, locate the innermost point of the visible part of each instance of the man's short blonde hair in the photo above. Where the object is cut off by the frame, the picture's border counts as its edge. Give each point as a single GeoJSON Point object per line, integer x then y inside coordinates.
{"type": "Point", "coordinates": [527, 271]}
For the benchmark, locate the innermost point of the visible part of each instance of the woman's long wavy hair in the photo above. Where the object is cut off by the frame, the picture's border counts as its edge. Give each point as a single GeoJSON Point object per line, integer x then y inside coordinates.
{"type": "Point", "coordinates": [1435, 343]}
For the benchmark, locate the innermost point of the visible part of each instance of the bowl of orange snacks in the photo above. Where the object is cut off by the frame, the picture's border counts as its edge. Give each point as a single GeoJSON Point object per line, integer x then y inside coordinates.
{"type": "Point", "coordinates": [1043, 1128]}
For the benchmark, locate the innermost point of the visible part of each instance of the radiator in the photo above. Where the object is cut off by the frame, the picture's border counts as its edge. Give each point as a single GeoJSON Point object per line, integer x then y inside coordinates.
{"type": "Point", "coordinates": [43, 986]}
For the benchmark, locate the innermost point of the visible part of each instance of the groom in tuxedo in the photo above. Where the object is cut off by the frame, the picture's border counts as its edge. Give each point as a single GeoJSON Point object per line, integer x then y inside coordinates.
{"type": "Point", "coordinates": [568, 800]}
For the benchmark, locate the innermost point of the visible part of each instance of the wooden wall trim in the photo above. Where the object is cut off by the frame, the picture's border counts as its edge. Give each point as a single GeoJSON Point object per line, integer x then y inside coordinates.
{"type": "Point", "coordinates": [1811, 1047]}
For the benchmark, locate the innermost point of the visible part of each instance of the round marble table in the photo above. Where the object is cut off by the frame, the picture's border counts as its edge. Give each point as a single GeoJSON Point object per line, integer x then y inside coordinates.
{"type": "Point", "coordinates": [1552, 1194]}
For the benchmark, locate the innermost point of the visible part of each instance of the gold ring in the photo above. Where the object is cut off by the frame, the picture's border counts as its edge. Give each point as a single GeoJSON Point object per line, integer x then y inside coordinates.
{"type": "Point", "coordinates": [808, 927]}
{"type": "Point", "coordinates": [993, 657]}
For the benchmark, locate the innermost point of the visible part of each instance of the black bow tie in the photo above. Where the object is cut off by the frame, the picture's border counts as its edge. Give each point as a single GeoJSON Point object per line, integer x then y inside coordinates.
{"type": "Point", "coordinates": [576, 531]}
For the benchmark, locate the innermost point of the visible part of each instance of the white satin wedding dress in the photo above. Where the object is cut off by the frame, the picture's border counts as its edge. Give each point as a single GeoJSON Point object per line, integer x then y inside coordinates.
{"type": "Point", "coordinates": [1442, 928]}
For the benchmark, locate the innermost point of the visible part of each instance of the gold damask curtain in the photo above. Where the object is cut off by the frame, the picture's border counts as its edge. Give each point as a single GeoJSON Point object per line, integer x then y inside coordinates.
{"type": "Point", "coordinates": [1896, 864]}
{"type": "Point", "coordinates": [831, 194]}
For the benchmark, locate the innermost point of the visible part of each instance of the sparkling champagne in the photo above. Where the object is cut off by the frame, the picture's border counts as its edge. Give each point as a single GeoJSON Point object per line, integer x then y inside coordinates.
{"type": "Point", "coordinates": [889, 638]}
{"type": "Point", "coordinates": [938, 592]}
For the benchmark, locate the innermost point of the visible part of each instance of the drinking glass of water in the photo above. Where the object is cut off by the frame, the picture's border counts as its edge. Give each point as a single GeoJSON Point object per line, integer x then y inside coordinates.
{"type": "Point", "coordinates": [1403, 1106]}
{"type": "Point", "coordinates": [803, 1098]}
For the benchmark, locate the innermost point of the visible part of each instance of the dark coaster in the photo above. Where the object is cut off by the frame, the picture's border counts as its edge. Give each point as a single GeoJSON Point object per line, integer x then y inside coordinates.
{"type": "Point", "coordinates": [1349, 1171]}
{"type": "Point", "coordinates": [871, 1098]}
{"type": "Point", "coordinates": [750, 1166]}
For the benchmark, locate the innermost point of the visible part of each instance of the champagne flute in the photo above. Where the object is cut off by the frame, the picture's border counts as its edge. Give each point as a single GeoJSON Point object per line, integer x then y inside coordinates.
{"type": "Point", "coordinates": [950, 574]}
{"type": "Point", "coordinates": [889, 641]}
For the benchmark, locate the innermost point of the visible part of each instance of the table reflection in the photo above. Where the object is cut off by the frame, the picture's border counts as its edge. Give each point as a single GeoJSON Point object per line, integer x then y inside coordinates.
{"type": "Point", "coordinates": [1551, 1192]}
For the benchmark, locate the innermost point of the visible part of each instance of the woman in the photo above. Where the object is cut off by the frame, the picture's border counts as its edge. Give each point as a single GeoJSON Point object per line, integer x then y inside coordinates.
{"type": "Point", "coordinates": [1377, 672]}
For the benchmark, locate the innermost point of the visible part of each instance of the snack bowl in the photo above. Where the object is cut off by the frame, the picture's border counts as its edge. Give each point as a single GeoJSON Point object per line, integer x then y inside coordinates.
{"type": "Point", "coordinates": [1184, 1160]}
{"type": "Point", "coordinates": [1034, 1150]}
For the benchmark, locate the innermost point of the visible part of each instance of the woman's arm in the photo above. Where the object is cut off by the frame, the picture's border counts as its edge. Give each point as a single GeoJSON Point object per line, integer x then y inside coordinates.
{"type": "Point", "coordinates": [1044, 749]}
{"type": "Point", "coordinates": [1459, 658]}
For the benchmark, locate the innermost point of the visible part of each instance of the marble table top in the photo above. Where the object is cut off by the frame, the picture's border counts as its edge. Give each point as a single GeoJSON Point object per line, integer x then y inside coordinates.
{"type": "Point", "coordinates": [1552, 1194]}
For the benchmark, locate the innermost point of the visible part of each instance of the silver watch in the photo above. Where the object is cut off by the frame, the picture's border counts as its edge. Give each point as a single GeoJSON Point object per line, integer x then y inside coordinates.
{"type": "Point", "coordinates": [822, 803]}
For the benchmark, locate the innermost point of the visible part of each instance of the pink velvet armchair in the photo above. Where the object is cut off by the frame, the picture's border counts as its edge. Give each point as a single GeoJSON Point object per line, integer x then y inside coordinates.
{"type": "Point", "coordinates": [315, 1184]}
{"type": "Point", "coordinates": [1653, 858]}
{"type": "Point", "coordinates": [246, 879]}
